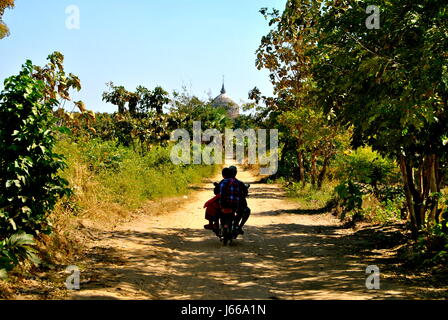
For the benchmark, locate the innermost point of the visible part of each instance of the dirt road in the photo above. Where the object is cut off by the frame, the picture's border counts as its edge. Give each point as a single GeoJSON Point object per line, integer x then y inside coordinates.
{"type": "Point", "coordinates": [286, 253]}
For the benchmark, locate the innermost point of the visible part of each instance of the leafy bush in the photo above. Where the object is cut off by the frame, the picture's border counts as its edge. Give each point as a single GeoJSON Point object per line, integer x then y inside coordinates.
{"type": "Point", "coordinates": [29, 181]}
{"type": "Point", "coordinates": [101, 155]}
{"type": "Point", "coordinates": [382, 211]}
{"type": "Point", "coordinates": [16, 249]}
{"type": "Point", "coordinates": [350, 197]}
{"type": "Point", "coordinates": [364, 173]}
{"type": "Point", "coordinates": [431, 247]}
{"type": "Point", "coordinates": [29, 184]}
{"type": "Point", "coordinates": [366, 166]}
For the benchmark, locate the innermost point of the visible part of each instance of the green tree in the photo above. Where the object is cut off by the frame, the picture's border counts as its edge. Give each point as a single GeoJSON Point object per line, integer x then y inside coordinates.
{"type": "Point", "coordinates": [29, 168]}
{"type": "Point", "coordinates": [307, 131]}
{"type": "Point", "coordinates": [186, 109]}
{"type": "Point", "coordinates": [153, 100]}
{"type": "Point", "coordinates": [315, 137]}
{"type": "Point", "coordinates": [58, 85]}
{"type": "Point", "coordinates": [29, 181]}
{"type": "Point", "coordinates": [391, 84]}
{"type": "Point", "coordinates": [117, 95]}
{"type": "Point", "coordinates": [140, 103]}
{"type": "Point", "coordinates": [158, 99]}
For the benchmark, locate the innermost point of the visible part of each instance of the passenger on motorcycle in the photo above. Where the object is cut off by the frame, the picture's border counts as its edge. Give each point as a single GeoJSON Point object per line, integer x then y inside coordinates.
{"type": "Point", "coordinates": [212, 211]}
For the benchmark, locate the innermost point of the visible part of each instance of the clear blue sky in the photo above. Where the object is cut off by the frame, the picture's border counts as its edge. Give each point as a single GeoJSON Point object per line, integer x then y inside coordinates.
{"type": "Point", "coordinates": [171, 43]}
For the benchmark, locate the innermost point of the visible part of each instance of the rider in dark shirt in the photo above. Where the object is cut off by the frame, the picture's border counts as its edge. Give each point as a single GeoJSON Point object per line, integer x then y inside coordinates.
{"type": "Point", "coordinates": [229, 191]}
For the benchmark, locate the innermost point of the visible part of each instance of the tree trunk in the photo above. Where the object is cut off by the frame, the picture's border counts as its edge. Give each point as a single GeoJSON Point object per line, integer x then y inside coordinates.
{"type": "Point", "coordinates": [301, 167]}
{"type": "Point", "coordinates": [323, 172]}
{"type": "Point", "coordinates": [421, 200]}
{"type": "Point", "coordinates": [313, 168]}
{"type": "Point", "coordinates": [409, 197]}
{"type": "Point", "coordinates": [433, 187]}
{"type": "Point", "coordinates": [121, 109]}
{"type": "Point", "coordinates": [133, 107]}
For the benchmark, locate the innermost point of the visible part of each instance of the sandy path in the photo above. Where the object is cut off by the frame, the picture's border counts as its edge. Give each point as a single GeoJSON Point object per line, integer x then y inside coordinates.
{"type": "Point", "coordinates": [284, 254]}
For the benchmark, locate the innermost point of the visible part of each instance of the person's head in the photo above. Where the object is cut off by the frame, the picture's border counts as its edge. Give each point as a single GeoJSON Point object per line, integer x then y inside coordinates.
{"type": "Point", "coordinates": [233, 171]}
{"type": "Point", "coordinates": [226, 173]}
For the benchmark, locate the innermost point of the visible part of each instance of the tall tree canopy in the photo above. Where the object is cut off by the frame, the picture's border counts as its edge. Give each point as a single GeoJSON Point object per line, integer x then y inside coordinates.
{"type": "Point", "coordinates": [390, 84]}
{"type": "Point", "coordinates": [308, 132]}
{"type": "Point", "coordinates": [141, 102]}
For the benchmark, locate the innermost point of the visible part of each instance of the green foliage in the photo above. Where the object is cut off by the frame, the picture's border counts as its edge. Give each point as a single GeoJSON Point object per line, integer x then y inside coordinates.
{"type": "Point", "coordinates": [384, 211]}
{"type": "Point", "coordinates": [366, 166]}
{"type": "Point", "coordinates": [149, 176]}
{"type": "Point", "coordinates": [16, 249]}
{"type": "Point", "coordinates": [140, 103]}
{"type": "Point", "coordinates": [117, 95]}
{"type": "Point", "coordinates": [350, 196]}
{"type": "Point", "coordinates": [118, 174]}
{"type": "Point", "coordinates": [186, 109]}
{"type": "Point", "coordinates": [431, 247]}
{"type": "Point", "coordinates": [29, 184]}
{"type": "Point", "coordinates": [139, 133]}
{"type": "Point", "coordinates": [365, 174]}
{"type": "Point", "coordinates": [57, 83]}
{"type": "Point", "coordinates": [101, 155]}
{"type": "Point", "coordinates": [388, 84]}
{"type": "Point", "coordinates": [310, 138]}
{"type": "Point", "coordinates": [147, 127]}
{"type": "Point", "coordinates": [29, 181]}
{"type": "Point", "coordinates": [153, 100]}
{"type": "Point", "coordinates": [245, 122]}
{"type": "Point", "coordinates": [105, 128]}
{"type": "Point", "coordinates": [142, 133]}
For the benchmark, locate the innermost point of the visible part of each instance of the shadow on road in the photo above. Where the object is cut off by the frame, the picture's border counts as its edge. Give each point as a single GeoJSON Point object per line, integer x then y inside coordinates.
{"type": "Point", "coordinates": [295, 211]}
{"type": "Point", "coordinates": [279, 261]}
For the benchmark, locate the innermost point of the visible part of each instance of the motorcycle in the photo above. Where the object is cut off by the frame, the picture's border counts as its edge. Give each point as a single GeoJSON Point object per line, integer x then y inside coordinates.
{"type": "Point", "coordinates": [228, 229]}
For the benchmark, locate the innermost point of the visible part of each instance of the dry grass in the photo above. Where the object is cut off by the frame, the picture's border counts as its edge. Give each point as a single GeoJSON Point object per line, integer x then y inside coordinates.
{"type": "Point", "coordinates": [94, 205]}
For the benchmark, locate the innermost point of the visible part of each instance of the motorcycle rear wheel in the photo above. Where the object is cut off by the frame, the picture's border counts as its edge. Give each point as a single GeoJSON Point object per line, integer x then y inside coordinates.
{"type": "Point", "coordinates": [226, 236]}
{"type": "Point", "coordinates": [226, 229]}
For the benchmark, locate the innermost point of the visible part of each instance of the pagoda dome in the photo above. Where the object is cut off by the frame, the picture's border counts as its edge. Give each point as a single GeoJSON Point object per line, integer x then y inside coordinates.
{"type": "Point", "coordinates": [224, 101]}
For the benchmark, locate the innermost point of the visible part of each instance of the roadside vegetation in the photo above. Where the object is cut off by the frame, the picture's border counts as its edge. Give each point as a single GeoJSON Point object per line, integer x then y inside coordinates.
{"type": "Point", "coordinates": [59, 167]}
{"type": "Point", "coordinates": [362, 112]}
